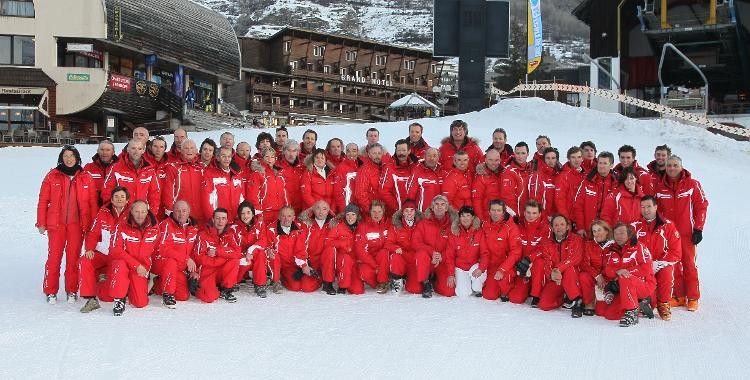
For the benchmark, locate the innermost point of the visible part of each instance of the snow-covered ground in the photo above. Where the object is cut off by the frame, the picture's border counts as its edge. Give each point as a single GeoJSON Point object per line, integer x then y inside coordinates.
{"type": "Point", "coordinates": [389, 336]}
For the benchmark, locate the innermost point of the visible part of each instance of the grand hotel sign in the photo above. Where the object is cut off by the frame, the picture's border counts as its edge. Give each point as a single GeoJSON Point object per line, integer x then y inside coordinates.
{"type": "Point", "coordinates": [366, 80]}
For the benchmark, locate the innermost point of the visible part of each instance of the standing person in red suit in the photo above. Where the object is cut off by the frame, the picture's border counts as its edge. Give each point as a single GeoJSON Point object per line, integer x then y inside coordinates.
{"type": "Point", "coordinates": [136, 174]}
{"type": "Point", "coordinates": [94, 263]}
{"type": "Point", "coordinates": [179, 136]}
{"type": "Point", "coordinates": [346, 174]}
{"type": "Point", "coordinates": [133, 243]}
{"type": "Point", "coordinates": [286, 238]}
{"type": "Point", "coordinates": [631, 279]}
{"type": "Point", "coordinates": [661, 238]}
{"type": "Point", "coordinates": [626, 154]}
{"type": "Point", "coordinates": [595, 256]}
{"type": "Point", "coordinates": [681, 199]}
{"type": "Point", "coordinates": [658, 167]}
{"type": "Point", "coordinates": [501, 245]}
{"type": "Point", "coordinates": [67, 203]}
{"type": "Point", "coordinates": [100, 163]}
{"type": "Point", "coordinates": [522, 168]}
{"type": "Point", "coordinates": [156, 156]}
{"type": "Point", "coordinates": [588, 149]}
{"type": "Point", "coordinates": [184, 180]}
{"type": "Point", "coordinates": [543, 182]}
{"type": "Point", "coordinates": [177, 236]}
{"type": "Point", "coordinates": [568, 181]}
{"type": "Point", "coordinates": [459, 140]}
{"type": "Point", "coordinates": [403, 163]}
{"type": "Point", "coordinates": [417, 144]}
{"type": "Point", "coordinates": [266, 187]}
{"type": "Point", "coordinates": [282, 135]}
{"type": "Point", "coordinates": [501, 146]}
{"type": "Point", "coordinates": [374, 181]}
{"type": "Point", "coordinates": [292, 168]}
{"type": "Point", "coordinates": [223, 186]}
{"type": "Point", "coordinates": [259, 259]}
{"type": "Point", "coordinates": [262, 141]}
{"type": "Point", "coordinates": [323, 261]}
{"type": "Point", "coordinates": [494, 181]}
{"type": "Point", "coordinates": [592, 192]}
{"type": "Point", "coordinates": [335, 153]}
{"type": "Point", "coordinates": [624, 204]}
{"type": "Point", "coordinates": [341, 242]}
{"type": "Point", "coordinates": [218, 255]}
{"type": "Point", "coordinates": [558, 278]}
{"type": "Point", "coordinates": [404, 260]}
{"type": "Point", "coordinates": [206, 152]}
{"type": "Point", "coordinates": [466, 256]}
{"type": "Point", "coordinates": [458, 181]}
{"type": "Point", "coordinates": [372, 255]}
{"type": "Point", "coordinates": [242, 155]}
{"type": "Point", "coordinates": [317, 180]}
{"type": "Point", "coordinates": [373, 137]}
{"type": "Point", "coordinates": [542, 142]}
{"type": "Point", "coordinates": [430, 240]}
{"type": "Point", "coordinates": [308, 144]}
{"type": "Point", "coordinates": [427, 179]}
{"type": "Point", "coordinates": [535, 231]}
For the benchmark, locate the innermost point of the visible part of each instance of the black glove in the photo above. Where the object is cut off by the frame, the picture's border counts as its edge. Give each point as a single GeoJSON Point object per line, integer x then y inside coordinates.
{"type": "Point", "coordinates": [298, 274]}
{"type": "Point", "coordinates": [697, 236]}
{"type": "Point", "coordinates": [613, 287]}
{"type": "Point", "coordinates": [522, 266]}
{"type": "Point", "coordinates": [193, 284]}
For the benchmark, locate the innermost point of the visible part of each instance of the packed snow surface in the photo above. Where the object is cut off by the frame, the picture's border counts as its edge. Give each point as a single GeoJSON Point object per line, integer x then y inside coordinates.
{"type": "Point", "coordinates": [393, 336]}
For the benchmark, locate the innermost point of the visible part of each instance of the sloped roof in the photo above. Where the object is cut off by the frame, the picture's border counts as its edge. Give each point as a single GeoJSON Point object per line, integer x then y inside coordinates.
{"type": "Point", "coordinates": [25, 77]}
{"type": "Point", "coordinates": [413, 100]}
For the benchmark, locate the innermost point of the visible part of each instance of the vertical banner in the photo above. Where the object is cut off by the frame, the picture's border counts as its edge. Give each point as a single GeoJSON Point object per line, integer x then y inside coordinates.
{"type": "Point", "coordinates": [534, 33]}
{"type": "Point", "coordinates": [179, 88]}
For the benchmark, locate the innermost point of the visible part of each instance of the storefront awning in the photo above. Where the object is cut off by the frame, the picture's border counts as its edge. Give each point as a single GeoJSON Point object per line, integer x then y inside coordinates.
{"type": "Point", "coordinates": [22, 77]}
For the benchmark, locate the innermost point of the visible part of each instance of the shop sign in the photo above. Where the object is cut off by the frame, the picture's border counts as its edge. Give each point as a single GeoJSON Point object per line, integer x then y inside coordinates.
{"type": "Point", "coordinates": [73, 77]}
{"type": "Point", "coordinates": [143, 88]}
{"type": "Point", "coordinates": [88, 48]}
{"type": "Point", "coordinates": [119, 82]}
{"type": "Point", "coordinates": [366, 80]}
{"type": "Point", "coordinates": [22, 90]}
{"type": "Point", "coordinates": [117, 24]}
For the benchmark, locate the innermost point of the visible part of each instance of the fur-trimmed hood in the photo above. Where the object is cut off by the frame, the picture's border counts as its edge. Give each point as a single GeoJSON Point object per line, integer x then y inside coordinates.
{"type": "Point", "coordinates": [309, 165]}
{"type": "Point", "coordinates": [397, 220]}
{"type": "Point", "coordinates": [260, 167]}
{"type": "Point", "coordinates": [455, 225]}
{"type": "Point", "coordinates": [306, 216]}
{"type": "Point", "coordinates": [451, 212]}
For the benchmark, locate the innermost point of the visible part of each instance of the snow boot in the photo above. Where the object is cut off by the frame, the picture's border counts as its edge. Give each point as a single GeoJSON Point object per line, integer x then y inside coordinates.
{"type": "Point", "coordinates": [51, 299]}
{"type": "Point", "coordinates": [169, 301]}
{"type": "Point", "coordinates": [535, 302]}
{"type": "Point", "coordinates": [227, 295]}
{"type": "Point", "coordinates": [504, 298]}
{"type": "Point", "coordinates": [692, 305]}
{"type": "Point", "coordinates": [397, 283]}
{"type": "Point", "coordinates": [260, 290]}
{"type": "Point", "coordinates": [427, 289]}
{"type": "Point", "coordinates": [382, 288]}
{"type": "Point", "coordinates": [567, 303]}
{"type": "Point", "coordinates": [664, 311]}
{"type": "Point", "coordinates": [277, 288]}
{"type": "Point", "coordinates": [645, 306]}
{"type": "Point", "coordinates": [630, 318]}
{"type": "Point", "coordinates": [328, 288]}
{"type": "Point", "coordinates": [576, 308]}
{"type": "Point", "coordinates": [72, 297]}
{"type": "Point", "coordinates": [677, 301]}
{"type": "Point", "coordinates": [341, 291]}
{"type": "Point", "coordinates": [91, 304]}
{"type": "Point", "coordinates": [119, 307]}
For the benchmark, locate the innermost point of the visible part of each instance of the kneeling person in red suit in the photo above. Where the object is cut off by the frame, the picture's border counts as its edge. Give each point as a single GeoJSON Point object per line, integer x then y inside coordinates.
{"type": "Point", "coordinates": [218, 257]}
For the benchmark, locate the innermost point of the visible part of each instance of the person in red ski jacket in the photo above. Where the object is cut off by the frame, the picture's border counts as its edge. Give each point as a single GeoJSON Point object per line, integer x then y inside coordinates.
{"type": "Point", "coordinates": [94, 263]}
{"type": "Point", "coordinates": [500, 145]}
{"type": "Point", "coordinates": [242, 156]}
{"type": "Point", "coordinates": [629, 266]}
{"type": "Point", "coordinates": [559, 275]}
{"type": "Point", "coordinates": [100, 162]}
{"type": "Point", "coordinates": [266, 188]}
{"type": "Point", "coordinates": [501, 244]}
{"type": "Point", "coordinates": [259, 259]}
{"type": "Point", "coordinates": [594, 258]}
{"type": "Point", "coordinates": [458, 181]}
{"type": "Point", "coordinates": [459, 140]}
{"type": "Point", "coordinates": [67, 203]}
{"type": "Point", "coordinates": [405, 262]}
{"type": "Point", "coordinates": [626, 154]}
{"type": "Point", "coordinates": [308, 144]}
{"type": "Point", "coordinates": [568, 181]}
{"type": "Point", "coordinates": [467, 255]}
{"type": "Point", "coordinates": [136, 174]}
{"type": "Point", "coordinates": [592, 192]}
{"type": "Point", "coordinates": [426, 179]}
{"type": "Point", "coordinates": [402, 165]}
{"type": "Point", "coordinates": [217, 255]}
{"type": "Point", "coordinates": [588, 149]}
{"type": "Point", "coordinates": [340, 241]}
{"type": "Point", "coordinates": [624, 204]}
{"type": "Point", "coordinates": [346, 174]}
{"type": "Point", "coordinates": [519, 165]}
{"type": "Point", "coordinates": [374, 182]}
{"type": "Point", "coordinates": [179, 136]}
{"type": "Point", "coordinates": [286, 238]}
{"type": "Point", "coordinates": [535, 231]}
{"type": "Point", "coordinates": [131, 247]}
{"type": "Point", "coordinates": [291, 168]}
{"type": "Point", "coordinates": [177, 236]}
{"type": "Point", "coordinates": [542, 143]}
{"type": "Point", "coordinates": [494, 181]}
{"type": "Point", "coordinates": [658, 167]}
{"type": "Point", "coordinates": [543, 182]}
{"type": "Point", "coordinates": [430, 240]}
{"type": "Point", "coordinates": [681, 199]}
{"type": "Point", "coordinates": [157, 157]}
{"type": "Point", "coordinates": [223, 186]}
{"type": "Point", "coordinates": [323, 261]}
{"type": "Point", "coordinates": [663, 241]}
{"type": "Point", "coordinates": [373, 137]}
{"type": "Point", "coordinates": [417, 144]}
{"type": "Point", "coordinates": [334, 153]}
{"type": "Point", "coordinates": [318, 180]}
{"type": "Point", "coordinates": [372, 255]}
{"type": "Point", "coordinates": [184, 180]}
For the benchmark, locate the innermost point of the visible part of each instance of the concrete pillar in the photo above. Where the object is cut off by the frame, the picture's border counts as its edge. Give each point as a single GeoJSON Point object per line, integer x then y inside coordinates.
{"type": "Point", "coordinates": [219, 88]}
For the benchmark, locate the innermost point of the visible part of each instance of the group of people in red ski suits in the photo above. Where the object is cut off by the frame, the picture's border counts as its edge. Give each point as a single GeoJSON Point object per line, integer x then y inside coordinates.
{"type": "Point", "coordinates": [592, 235]}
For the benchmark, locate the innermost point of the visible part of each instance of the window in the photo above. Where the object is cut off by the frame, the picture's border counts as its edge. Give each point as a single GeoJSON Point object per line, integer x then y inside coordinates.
{"type": "Point", "coordinates": [310, 67]}
{"type": "Point", "coordinates": [293, 64]}
{"type": "Point", "coordinates": [342, 71]}
{"type": "Point", "coordinates": [77, 58]}
{"type": "Point", "coordinates": [358, 73]}
{"type": "Point", "coordinates": [381, 60]}
{"type": "Point", "coordinates": [257, 99]}
{"type": "Point", "coordinates": [17, 50]}
{"type": "Point", "coordinates": [287, 46]}
{"type": "Point", "coordinates": [327, 69]}
{"type": "Point", "coordinates": [18, 8]}
{"type": "Point", "coordinates": [319, 51]}
{"type": "Point", "coordinates": [387, 77]}
{"type": "Point", "coordinates": [351, 55]}
{"type": "Point", "coordinates": [409, 64]}
{"type": "Point", "coordinates": [433, 68]}
{"type": "Point", "coordinates": [374, 75]}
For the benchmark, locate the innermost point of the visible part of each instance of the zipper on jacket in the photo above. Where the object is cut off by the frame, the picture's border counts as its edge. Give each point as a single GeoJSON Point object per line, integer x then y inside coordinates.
{"type": "Point", "coordinates": [67, 206]}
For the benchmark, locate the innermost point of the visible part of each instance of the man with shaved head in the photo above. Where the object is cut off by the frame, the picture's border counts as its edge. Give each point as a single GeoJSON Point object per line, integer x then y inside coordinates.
{"type": "Point", "coordinates": [97, 168]}
{"type": "Point", "coordinates": [134, 173]}
{"type": "Point", "coordinates": [426, 179]}
{"type": "Point", "coordinates": [180, 135]}
{"type": "Point", "coordinates": [184, 179]}
{"type": "Point", "coordinates": [320, 259]}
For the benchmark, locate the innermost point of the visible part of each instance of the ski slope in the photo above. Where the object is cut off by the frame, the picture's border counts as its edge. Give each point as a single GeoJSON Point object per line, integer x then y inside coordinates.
{"type": "Point", "coordinates": [318, 336]}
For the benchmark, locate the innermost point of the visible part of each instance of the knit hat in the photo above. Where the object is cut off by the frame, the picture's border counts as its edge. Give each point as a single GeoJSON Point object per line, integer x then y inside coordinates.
{"type": "Point", "coordinates": [410, 203]}
{"type": "Point", "coordinates": [351, 207]}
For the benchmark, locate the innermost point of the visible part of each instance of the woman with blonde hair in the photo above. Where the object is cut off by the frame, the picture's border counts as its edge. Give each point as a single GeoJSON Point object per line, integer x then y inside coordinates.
{"type": "Point", "coordinates": [592, 264]}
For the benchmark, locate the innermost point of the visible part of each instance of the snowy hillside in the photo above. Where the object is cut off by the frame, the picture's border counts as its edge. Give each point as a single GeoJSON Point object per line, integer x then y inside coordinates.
{"type": "Point", "coordinates": [393, 336]}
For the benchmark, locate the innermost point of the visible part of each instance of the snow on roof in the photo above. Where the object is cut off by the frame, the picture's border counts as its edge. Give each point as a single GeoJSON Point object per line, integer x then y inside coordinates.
{"type": "Point", "coordinates": [413, 100]}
